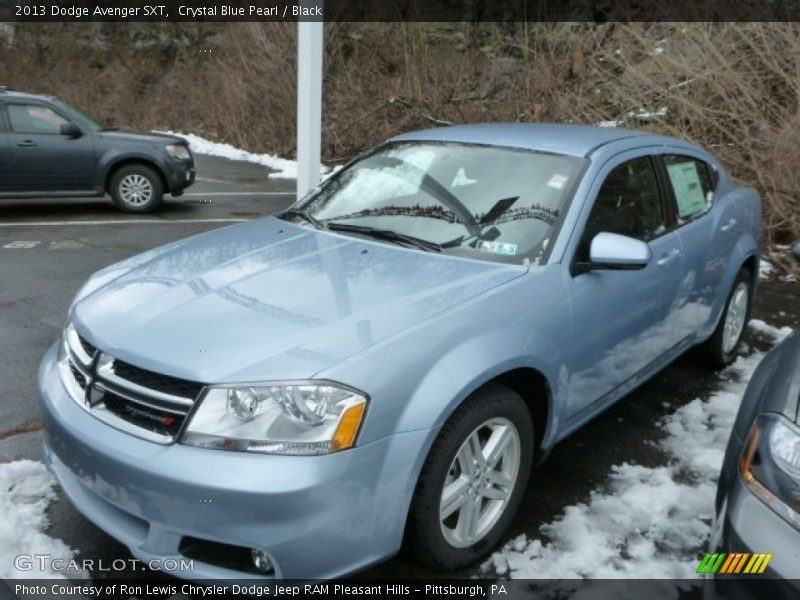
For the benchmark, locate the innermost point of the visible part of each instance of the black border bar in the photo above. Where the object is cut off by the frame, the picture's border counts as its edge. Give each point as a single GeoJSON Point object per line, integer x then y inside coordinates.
{"type": "Point", "coordinates": [33, 11]}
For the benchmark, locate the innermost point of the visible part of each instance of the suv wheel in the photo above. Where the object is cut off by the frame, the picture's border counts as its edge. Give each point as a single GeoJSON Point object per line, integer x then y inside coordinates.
{"type": "Point", "coordinates": [473, 480]}
{"type": "Point", "coordinates": [136, 189]}
{"type": "Point", "coordinates": [720, 349]}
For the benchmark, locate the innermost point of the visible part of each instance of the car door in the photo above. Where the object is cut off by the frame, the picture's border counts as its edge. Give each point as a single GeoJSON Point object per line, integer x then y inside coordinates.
{"type": "Point", "coordinates": [43, 159]}
{"type": "Point", "coordinates": [707, 242]}
{"type": "Point", "coordinates": [622, 319]}
{"type": "Point", "coordinates": [5, 153]}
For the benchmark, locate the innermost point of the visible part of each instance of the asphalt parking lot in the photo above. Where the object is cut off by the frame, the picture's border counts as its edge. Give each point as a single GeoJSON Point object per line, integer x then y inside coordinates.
{"type": "Point", "coordinates": [48, 248]}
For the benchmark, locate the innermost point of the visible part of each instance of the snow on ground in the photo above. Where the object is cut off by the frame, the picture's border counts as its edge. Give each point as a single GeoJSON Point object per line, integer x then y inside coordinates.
{"type": "Point", "coordinates": [646, 522]}
{"type": "Point", "coordinates": [765, 269]}
{"type": "Point", "coordinates": [285, 168]}
{"type": "Point", "coordinates": [26, 489]}
{"type": "Point", "coordinates": [648, 115]}
{"type": "Point", "coordinates": [768, 331]}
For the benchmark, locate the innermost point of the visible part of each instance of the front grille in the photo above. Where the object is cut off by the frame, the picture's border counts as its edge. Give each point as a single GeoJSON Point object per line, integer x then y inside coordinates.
{"type": "Point", "coordinates": [87, 347]}
{"type": "Point", "coordinates": [143, 403]}
{"type": "Point", "coordinates": [79, 377]}
{"type": "Point", "coordinates": [155, 381]}
{"type": "Point", "coordinates": [146, 417]}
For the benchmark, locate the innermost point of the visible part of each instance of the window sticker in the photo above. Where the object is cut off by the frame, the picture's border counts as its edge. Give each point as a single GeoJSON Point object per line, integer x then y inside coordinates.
{"type": "Point", "coordinates": [557, 181]}
{"type": "Point", "coordinates": [688, 190]}
{"type": "Point", "coordinates": [498, 248]}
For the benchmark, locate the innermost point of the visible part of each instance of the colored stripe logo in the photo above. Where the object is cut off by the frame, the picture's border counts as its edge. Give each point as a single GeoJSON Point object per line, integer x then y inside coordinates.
{"type": "Point", "coordinates": [733, 563]}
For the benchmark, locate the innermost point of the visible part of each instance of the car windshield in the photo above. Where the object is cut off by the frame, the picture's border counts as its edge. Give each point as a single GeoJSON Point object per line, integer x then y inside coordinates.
{"type": "Point", "coordinates": [90, 122]}
{"type": "Point", "coordinates": [486, 202]}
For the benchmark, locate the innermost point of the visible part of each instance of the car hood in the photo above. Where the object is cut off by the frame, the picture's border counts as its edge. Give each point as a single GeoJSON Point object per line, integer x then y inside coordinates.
{"type": "Point", "coordinates": [121, 135]}
{"type": "Point", "coordinates": [269, 299]}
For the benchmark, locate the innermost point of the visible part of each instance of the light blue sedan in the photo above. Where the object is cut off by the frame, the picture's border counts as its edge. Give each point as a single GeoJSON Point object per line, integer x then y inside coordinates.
{"type": "Point", "coordinates": [298, 396]}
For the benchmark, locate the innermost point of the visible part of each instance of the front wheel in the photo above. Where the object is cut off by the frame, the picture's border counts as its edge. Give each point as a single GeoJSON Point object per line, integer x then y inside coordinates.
{"type": "Point", "coordinates": [720, 349]}
{"type": "Point", "coordinates": [473, 480]}
{"type": "Point", "coordinates": [136, 189]}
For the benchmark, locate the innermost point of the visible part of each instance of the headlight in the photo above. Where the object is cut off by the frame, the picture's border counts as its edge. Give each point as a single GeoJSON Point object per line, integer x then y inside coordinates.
{"type": "Point", "coordinates": [178, 151]}
{"type": "Point", "coordinates": [770, 465]}
{"type": "Point", "coordinates": [298, 418]}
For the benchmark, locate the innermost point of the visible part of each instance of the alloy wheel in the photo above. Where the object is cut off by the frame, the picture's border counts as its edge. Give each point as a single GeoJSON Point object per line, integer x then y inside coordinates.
{"type": "Point", "coordinates": [735, 317]}
{"type": "Point", "coordinates": [480, 482]}
{"type": "Point", "coordinates": [135, 189]}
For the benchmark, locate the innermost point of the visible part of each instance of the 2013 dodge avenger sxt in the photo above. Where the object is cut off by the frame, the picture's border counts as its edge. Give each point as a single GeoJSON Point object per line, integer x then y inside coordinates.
{"type": "Point", "coordinates": [299, 396]}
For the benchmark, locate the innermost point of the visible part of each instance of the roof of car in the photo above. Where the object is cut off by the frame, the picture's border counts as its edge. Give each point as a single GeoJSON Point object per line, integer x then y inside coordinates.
{"type": "Point", "coordinates": [576, 140]}
{"type": "Point", "coordinates": [8, 93]}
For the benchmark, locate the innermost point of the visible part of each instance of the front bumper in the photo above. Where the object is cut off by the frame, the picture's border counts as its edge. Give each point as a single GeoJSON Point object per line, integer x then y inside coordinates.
{"type": "Point", "coordinates": [746, 524]}
{"type": "Point", "coordinates": [180, 174]}
{"type": "Point", "coordinates": [315, 517]}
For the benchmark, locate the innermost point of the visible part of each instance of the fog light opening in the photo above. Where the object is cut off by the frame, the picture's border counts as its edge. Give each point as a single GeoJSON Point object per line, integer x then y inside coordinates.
{"type": "Point", "coordinates": [261, 561]}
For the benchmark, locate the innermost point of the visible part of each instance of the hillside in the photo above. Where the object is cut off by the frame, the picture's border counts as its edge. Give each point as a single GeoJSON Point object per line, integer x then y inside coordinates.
{"type": "Point", "coordinates": [734, 88]}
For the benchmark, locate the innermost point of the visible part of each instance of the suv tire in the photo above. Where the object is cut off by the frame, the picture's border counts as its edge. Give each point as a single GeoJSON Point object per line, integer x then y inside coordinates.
{"type": "Point", "coordinates": [136, 188]}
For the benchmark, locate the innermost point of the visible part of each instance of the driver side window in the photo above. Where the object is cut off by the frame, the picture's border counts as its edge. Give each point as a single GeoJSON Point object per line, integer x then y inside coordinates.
{"type": "Point", "coordinates": [32, 118]}
{"type": "Point", "coordinates": [629, 203]}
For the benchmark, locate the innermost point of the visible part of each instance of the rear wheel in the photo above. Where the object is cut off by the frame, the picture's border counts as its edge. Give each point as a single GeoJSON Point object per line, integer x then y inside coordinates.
{"type": "Point", "coordinates": [720, 349]}
{"type": "Point", "coordinates": [136, 188]}
{"type": "Point", "coordinates": [473, 480]}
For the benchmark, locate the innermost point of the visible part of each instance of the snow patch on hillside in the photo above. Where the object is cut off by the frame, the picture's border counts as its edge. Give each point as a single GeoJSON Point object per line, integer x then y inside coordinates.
{"type": "Point", "coordinates": [284, 168]}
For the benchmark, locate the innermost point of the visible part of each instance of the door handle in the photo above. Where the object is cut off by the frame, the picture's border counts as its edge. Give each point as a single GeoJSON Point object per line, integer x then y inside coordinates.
{"type": "Point", "coordinates": [26, 144]}
{"type": "Point", "coordinates": [728, 226]}
{"type": "Point", "coordinates": [669, 258]}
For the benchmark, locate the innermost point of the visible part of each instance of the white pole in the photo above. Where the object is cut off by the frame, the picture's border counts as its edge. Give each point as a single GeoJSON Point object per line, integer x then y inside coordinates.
{"type": "Point", "coordinates": [309, 105]}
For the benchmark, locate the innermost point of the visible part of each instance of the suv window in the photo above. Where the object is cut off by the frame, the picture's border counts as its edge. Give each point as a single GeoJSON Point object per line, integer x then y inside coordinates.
{"type": "Point", "coordinates": [691, 183]}
{"type": "Point", "coordinates": [34, 118]}
{"type": "Point", "coordinates": [629, 203]}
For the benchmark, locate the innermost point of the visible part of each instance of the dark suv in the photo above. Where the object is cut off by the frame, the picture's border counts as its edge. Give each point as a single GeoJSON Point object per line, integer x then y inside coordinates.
{"type": "Point", "coordinates": [49, 148]}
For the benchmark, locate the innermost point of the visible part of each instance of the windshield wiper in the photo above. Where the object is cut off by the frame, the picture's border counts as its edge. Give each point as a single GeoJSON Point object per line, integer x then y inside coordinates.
{"type": "Point", "coordinates": [298, 212]}
{"type": "Point", "coordinates": [386, 235]}
{"type": "Point", "coordinates": [438, 191]}
{"type": "Point", "coordinates": [498, 210]}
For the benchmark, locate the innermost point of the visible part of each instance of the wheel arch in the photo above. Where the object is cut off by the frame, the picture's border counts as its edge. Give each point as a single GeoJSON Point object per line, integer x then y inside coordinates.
{"type": "Point", "coordinates": [752, 264]}
{"type": "Point", "coordinates": [120, 163]}
{"type": "Point", "coordinates": [746, 256]}
{"type": "Point", "coordinates": [534, 389]}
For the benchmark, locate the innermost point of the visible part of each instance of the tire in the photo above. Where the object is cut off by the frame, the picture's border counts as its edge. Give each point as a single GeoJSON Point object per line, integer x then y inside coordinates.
{"type": "Point", "coordinates": [440, 542]}
{"type": "Point", "coordinates": [720, 349]}
{"type": "Point", "coordinates": [136, 188]}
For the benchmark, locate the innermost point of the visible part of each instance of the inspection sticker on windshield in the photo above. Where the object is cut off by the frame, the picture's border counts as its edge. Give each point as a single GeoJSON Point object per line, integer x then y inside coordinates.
{"type": "Point", "coordinates": [498, 248]}
{"type": "Point", "coordinates": [557, 181]}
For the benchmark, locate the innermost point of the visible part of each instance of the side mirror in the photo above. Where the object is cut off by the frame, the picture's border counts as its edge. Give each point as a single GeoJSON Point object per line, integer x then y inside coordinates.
{"type": "Point", "coordinates": [796, 252]}
{"type": "Point", "coordinates": [620, 252]}
{"type": "Point", "coordinates": [71, 130]}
